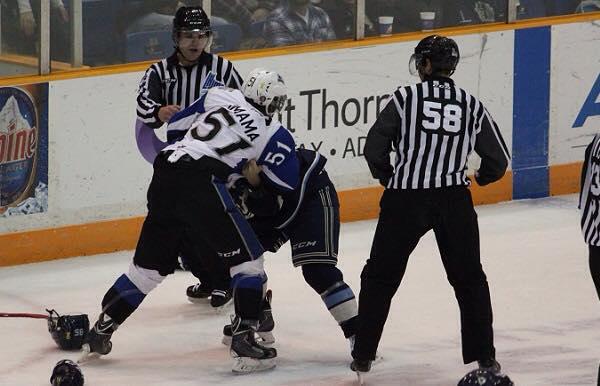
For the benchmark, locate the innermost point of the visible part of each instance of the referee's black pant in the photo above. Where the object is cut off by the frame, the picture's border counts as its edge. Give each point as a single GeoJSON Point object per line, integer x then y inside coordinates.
{"type": "Point", "coordinates": [405, 216]}
{"type": "Point", "coordinates": [594, 261]}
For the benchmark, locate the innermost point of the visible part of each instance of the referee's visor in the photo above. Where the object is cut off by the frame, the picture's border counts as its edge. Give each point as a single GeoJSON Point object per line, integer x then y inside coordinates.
{"type": "Point", "coordinates": [414, 63]}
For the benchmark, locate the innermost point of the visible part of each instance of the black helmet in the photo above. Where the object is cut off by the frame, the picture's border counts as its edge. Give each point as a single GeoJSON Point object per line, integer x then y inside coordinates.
{"type": "Point", "coordinates": [485, 378]}
{"type": "Point", "coordinates": [441, 51]}
{"type": "Point", "coordinates": [190, 19]}
{"type": "Point", "coordinates": [68, 331]}
{"type": "Point", "coordinates": [66, 373]}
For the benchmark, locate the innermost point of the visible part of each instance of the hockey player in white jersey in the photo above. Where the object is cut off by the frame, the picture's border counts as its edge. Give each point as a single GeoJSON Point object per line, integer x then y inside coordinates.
{"type": "Point", "coordinates": [188, 197]}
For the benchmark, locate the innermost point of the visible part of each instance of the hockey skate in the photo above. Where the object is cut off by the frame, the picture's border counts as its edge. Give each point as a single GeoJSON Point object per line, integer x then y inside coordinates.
{"type": "Point", "coordinates": [97, 341]}
{"type": "Point", "coordinates": [249, 356]}
{"type": "Point", "coordinates": [220, 298]}
{"type": "Point", "coordinates": [198, 293]}
{"type": "Point", "coordinates": [266, 324]}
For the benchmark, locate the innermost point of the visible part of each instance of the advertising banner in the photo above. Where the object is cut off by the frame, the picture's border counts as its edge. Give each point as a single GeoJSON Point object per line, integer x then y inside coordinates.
{"type": "Point", "coordinates": [575, 90]}
{"type": "Point", "coordinates": [23, 150]}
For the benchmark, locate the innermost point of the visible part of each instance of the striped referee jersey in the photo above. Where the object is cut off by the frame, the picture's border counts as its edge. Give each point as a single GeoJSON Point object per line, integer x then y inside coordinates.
{"type": "Point", "coordinates": [589, 196]}
{"type": "Point", "coordinates": [168, 83]}
{"type": "Point", "coordinates": [433, 127]}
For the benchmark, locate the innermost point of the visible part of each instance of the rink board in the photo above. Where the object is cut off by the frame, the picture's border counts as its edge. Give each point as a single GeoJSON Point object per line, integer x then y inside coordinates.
{"type": "Point", "coordinates": [538, 83]}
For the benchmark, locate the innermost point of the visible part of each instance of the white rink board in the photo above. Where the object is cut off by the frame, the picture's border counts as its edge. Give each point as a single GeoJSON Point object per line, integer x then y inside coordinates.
{"type": "Point", "coordinates": [96, 172]}
{"type": "Point", "coordinates": [574, 69]}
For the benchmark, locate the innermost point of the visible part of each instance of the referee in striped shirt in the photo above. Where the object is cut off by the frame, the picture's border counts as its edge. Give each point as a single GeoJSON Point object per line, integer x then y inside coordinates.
{"type": "Point", "coordinates": [432, 127]}
{"type": "Point", "coordinates": [589, 204]}
{"type": "Point", "coordinates": [175, 82]}
{"type": "Point", "coordinates": [171, 85]}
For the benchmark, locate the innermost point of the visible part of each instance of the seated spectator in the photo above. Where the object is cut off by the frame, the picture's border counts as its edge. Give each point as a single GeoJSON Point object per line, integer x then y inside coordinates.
{"type": "Point", "coordinates": [297, 22]}
{"type": "Point", "coordinates": [528, 9]}
{"type": "Point", "coordinates": [260, 9]}
{"type": "Point", "coordinates": [233, 11]}
{"type": "Point", "coordinates": [342, 15]}
{"type": "Point", "coordinates": [20, 28]}
{"type": "Point", "coordinates": [448, 13]}
{"type": "Point", "coordinates": [490, 11]}
{"type": "Point", "coordinates": [156, 15]}
{"type": "Point", "coordinates": [459, 12]}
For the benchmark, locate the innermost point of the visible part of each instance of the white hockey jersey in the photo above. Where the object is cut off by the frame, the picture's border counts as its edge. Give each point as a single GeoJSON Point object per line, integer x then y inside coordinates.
{"type": "Point", "coordinates": [223, 125]}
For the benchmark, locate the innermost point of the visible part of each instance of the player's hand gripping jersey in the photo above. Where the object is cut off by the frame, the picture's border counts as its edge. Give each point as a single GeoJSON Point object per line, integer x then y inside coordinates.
{"type": "Point", "coordinates": [223, 125]}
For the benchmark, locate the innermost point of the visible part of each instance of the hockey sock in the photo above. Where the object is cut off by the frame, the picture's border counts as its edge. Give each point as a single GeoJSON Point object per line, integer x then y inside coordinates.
{"type": "Point", "coordinates": [128, 292]}
{"type": "Point", "coordinates": [122, 299]}
{"type": "Point", "coordinates": [247, 295]}
{"type": "Point", "coordinates": [327, 280]}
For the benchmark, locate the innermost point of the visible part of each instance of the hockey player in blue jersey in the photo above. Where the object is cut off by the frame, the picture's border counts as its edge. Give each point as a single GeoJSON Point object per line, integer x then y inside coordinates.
{"type": "Point", "coordinates": [308, 217]}
{"type": "Point", "coordinates": [188, 197]}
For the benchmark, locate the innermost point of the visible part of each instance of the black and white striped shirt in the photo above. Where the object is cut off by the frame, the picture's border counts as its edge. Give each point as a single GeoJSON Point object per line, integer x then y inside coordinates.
{"type": "Point", "coordinates": [589, 197]}
{"type": "Point", "coordinates": [168, 83]}
{"type": "Point", "coordinates": [433, 127]}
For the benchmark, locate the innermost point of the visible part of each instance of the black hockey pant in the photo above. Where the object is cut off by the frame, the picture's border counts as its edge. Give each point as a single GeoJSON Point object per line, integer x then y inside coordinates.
{"type": "Point", "coordinates": [594, 261]}
{"type": "Point", "coordinates": [405, 216]}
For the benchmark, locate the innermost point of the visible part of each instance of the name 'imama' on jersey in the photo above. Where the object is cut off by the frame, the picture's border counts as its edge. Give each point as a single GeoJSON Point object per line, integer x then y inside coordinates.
{"type": "Point", "coordinates": [436, 126]}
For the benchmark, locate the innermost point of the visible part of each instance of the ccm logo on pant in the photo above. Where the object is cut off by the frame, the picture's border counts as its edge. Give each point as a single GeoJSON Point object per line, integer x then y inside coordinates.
{"type": "Point", "coordinates": [304, 244]}
{"type": "Point", "coordinates": [229, 254]}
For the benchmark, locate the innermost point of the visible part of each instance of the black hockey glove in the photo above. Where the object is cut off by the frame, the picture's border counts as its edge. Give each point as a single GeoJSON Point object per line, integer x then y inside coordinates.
{"type": "Point", "coordinates": [261, 202]}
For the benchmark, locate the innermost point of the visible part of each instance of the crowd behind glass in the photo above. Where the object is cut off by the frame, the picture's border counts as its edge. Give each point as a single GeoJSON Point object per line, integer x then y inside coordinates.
{"type": "Point", "coordinates": [124, 31]}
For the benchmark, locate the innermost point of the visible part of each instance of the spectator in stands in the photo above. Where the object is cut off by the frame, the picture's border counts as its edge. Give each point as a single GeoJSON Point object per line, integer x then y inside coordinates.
{"type": "Point", "coordinates": [234, 11]}
{"type": "Point", "coordinates": [527, 9]}
{"type": "Point", "coordinates": [490, 11]}
{"type": "Point", "coordinates": [20, 23]}
{"type": "Point", "coordinates": [448, 13]}
{"type": "Point", "coordinates": [261, 8]}
{"type": "Point", "coordinates": [155, 15]}
{"type": "Point", "coordinates": [297, 22]}
{"type": "Point", "coordinates": [342, 15]}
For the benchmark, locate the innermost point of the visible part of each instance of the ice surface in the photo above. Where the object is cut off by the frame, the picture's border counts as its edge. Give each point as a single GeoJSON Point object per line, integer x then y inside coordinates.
{"type": "Point", "coordinates": [547, 320]}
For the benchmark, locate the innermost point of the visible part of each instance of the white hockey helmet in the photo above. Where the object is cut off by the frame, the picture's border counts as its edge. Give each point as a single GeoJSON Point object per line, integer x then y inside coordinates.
{"type": "Point", "coordinates": [266, 88]}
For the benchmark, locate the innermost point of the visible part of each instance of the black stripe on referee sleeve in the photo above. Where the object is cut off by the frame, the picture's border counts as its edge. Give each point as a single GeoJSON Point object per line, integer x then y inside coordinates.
{"type": "Point", "coordinates": [150, 98]}
{"type": "Point", "coordinates": [236, 80]}
{"type": "Point", "coordinates": [379, 142]}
